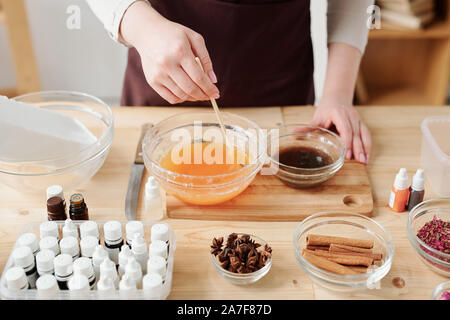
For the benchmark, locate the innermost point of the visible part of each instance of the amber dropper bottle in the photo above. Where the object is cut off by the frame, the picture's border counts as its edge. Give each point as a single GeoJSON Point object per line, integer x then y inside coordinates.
{"type": "Point", "coordinates": [78, 209]}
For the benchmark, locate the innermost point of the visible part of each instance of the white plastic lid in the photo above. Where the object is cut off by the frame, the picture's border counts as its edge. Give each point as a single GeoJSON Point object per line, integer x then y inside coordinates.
{"type": "Point", "coordinates": [49, 243]}
{"type": "Point", "coordinates": [70, 246]}
{"type": "Point", "coordinates": [112, 230]}
{"type": "Point", "coordinates": [133, 227]}
{"type": "Point", "coordinates": [127, 283]}
{"type": "Point", "coordinates": [69, 229]}
{"type": "Point", "coordinates": [157, 264]}
{"type": "Point", "coordinates": [47, 282]}
{"type": "Point", "coordinates": [418, 181]}
{"type": "Point", "coordinates": [133, 269]}
{"type": "Point", "coordinates": [44, 260]}
{"type": "Point", "coordinates": [79, 282]}
{"type": "Point", "coordinates": [105, 284]}
{"type": "Point", "coordinates": [160, 231]}
{"type": "Point", "coordinates": [55, 191]}
{"type": "Point", "coordinates": [152, 281]}
{"type": "Point", "coordinates": [88, 245]}
{"type": "Point", "coordinates": [99, 255]}
{"type": "Point", "coordinates": [63, 265]}
{"type": "Point", "coordinates": [49, 229]}
{"type": "Point", "coordinates": [23, 257]}
{"type": "Point", "coordinates": [16, 278]}
{"type": "Point", "coordinates": [138, 245]}
{"type": "Point", "coordinates": [108, 269]}
{"type": "Point", "coordinates": [401, 180]}
{"type": "Point", "coordinates": [88, 228]}
{"type": "Point", "coordinates": [29, 240]}
{"type": "Point", "coordinates": [158, 248]}
{"type": "Point", "coordinates": [124, 254]}
{"type": "Point", "coordinates": [83, 266]}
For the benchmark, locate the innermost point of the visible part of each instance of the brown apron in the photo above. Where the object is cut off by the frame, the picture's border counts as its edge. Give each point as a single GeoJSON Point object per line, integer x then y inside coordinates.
{"type": "Point", "coordinates": [261, 51]}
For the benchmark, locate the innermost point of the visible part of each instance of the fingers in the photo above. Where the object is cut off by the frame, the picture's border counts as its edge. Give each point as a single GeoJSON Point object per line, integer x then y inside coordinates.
{"type": "Point", "coordinates": [166, 94]}
{"type": "Point", "coordinates": [199, 77]}
{"type": "Point", "coordinates": [367, 141]}
{"type": "Point", "coordinates": [345, 130]}
{"type": "Point", "coordinates": [200, 51]}
{"type": "Point", "coordinates": [184, 81]}
{"type": "Point", "coordinates": [358, 149]}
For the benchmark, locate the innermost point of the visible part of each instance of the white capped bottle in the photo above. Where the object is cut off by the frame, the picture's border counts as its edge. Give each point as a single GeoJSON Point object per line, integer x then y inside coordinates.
{"type": "Point", "coordinates": [154, 201]}
{"type": "Point", "coordinates": [70, 246]}
{"type": "Point", "coordinates": [23, 257]}
{"type": "Point", "coordinates": [160, 231]}
{"type": "Point", "coordinates": [63, 270]}
{"type": "Point", "coordinates": [84, 266]}
{"type": "Point", "coordinates": [139, 249]}
{"type": "Point", "coordinates": [89, 228]}
{"type": "Point", "coordinates": [29, 240]}
{"type": "Point", "coordinates": [132, 228]}
{"type": "Point", "coordinates": [134, 271]}
{"type": "Point", "coordinates": [157, 264]}
{"type": "Point", "coordinates": [88, 245]}
{"type": "Point", "coordinates": [16, 279]}
{"type": "Point", "coordinates": [47, 286]}
{"type": "Point", "coordinates": [106, 288]}
{"type": "Point", "coordinates": [113, 239]}
{"type": "Point", "coordinates": [79, 283]}
{"type": "Point", "coordinates": [108, 270]}
{"type": "Point", "coordinates": [50, 243]}
{"type": "Point", "coordinates": [127, 287]}
{"type": "Point", "coordinates": [49, 229]}
{"type": "Point", "coordinates": [44, 262]}
{"type": "Point", "coordinates": [158, 248]}
{"type": "Point", "coordinates": [124, 254]}
{"type": "Point", "coordinates": [70, 229]}
{"type": "Point", "coordinates": [99, 255]}
{"type": "Point", "coordinates": [152, 284]}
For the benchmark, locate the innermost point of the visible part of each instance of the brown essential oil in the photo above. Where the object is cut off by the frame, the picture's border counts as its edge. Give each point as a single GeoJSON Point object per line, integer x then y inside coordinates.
{"type": "Point", "coordinates": [304, 157]}
{"type": "Point", "coordinates": [56, 209]}
{"type": "Point", "coordinates": [78, 209]}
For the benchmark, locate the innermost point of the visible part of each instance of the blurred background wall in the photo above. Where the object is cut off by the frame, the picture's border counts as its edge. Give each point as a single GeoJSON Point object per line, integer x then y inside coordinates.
{"type": "Point", "coordinates": [88, 60]}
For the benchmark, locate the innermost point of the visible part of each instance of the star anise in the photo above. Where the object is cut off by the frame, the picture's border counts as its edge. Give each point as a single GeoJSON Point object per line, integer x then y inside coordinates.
{"type": "Point", "coordinates": [240, 254]}
{"type": "Point", "coordinates": [216, 246]}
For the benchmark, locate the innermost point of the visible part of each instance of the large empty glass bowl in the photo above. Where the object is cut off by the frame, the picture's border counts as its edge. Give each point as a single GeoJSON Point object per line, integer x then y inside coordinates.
{"type": "Point", "coordinates": [68, 158]}
{"type": "Point", "coordinates": [202, 127]}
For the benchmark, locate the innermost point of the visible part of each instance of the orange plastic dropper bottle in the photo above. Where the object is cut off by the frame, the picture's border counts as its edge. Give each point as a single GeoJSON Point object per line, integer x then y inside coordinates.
{"type": "Point", "coordinates": [400, 192]}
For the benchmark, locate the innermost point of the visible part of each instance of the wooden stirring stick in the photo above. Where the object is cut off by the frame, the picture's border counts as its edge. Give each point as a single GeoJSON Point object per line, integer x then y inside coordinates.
{"type": "Point", "coordinates": [214, 104]}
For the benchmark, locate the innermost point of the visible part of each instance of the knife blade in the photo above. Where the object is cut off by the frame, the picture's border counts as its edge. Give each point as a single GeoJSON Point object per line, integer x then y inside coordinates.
{"type": "Point", "coordinates": [137, 171]}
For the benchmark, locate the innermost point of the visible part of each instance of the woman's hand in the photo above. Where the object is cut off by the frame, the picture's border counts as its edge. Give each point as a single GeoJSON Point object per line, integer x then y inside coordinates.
{"type": "Point", "coordinates": [168, 52]}
{"type": "Point", "coordinates": [349, 125]}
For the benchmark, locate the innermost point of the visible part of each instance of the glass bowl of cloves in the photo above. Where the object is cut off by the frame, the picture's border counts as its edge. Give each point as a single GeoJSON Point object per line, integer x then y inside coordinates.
{"type": "Point", "coordinates": [241, 258]}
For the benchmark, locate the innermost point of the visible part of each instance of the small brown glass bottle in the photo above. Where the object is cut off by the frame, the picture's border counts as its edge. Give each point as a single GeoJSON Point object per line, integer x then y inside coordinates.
{"type": "Point", "coordinates": [56, 209]}
{"type": "Point", "coordinates": [78, 209]}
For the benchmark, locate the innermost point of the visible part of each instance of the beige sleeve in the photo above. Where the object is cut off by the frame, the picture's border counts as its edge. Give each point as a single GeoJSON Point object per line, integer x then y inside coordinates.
{"type": "Point", "coordinates": [110, 13]}
{"type": "Point", "coordinates": [347, 22]}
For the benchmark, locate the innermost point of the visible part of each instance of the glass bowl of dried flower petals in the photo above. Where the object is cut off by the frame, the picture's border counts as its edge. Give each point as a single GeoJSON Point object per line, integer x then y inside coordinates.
{"type": "Point", "coordinates": [428, 231]}
{"type": "Point", "coordinates": [242, 259]}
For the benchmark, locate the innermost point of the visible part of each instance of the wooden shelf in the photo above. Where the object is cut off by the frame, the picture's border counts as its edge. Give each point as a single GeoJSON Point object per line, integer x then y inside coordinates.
{"type": "Point", "coordinates": [439, 29]}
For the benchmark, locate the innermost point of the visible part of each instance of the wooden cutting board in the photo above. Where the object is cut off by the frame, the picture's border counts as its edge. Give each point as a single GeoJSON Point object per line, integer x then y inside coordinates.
{"type": "Point", "coordinates": [268, 199]}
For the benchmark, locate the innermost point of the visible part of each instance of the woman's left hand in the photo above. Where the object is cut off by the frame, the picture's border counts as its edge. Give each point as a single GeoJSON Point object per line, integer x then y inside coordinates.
{"type": "Point", "coordinates": [354, 133]}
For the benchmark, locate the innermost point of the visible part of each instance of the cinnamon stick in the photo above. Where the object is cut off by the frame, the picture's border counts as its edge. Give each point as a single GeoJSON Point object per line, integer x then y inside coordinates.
{"type": "Point", "coordinates": [350, 248]}
{"type": "Point", "coordinates": [326, 248]}
{"type": "Point", "coordinates": [321, 240]}
{"type": "Point", "coordinates": [374, 256]}
{"type": "Point", "coordinates": [326, 264]}
{"type": "Point", "coordinates": [343, 259]}
{"type": "Point", "coordinates": [358, 269]}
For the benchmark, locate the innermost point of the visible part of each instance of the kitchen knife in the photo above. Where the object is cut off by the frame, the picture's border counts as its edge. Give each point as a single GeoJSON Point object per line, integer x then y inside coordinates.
{"type": "Point", "coordinates": [134, 184]}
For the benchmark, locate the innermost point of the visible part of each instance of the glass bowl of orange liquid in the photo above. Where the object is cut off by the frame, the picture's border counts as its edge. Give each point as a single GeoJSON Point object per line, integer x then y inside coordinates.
{"type": "Point", "coordinates": [190, 158]}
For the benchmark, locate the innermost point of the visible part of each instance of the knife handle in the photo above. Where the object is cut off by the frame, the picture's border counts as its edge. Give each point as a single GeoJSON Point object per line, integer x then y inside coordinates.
{"type": "Point", "coordinates": [139, 155]}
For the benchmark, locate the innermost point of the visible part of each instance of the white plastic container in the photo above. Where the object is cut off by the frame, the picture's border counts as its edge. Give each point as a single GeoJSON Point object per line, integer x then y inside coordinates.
{"type": "Point", "coordinates": [32, 294]}
{"type": "Point", "coordinates": [436, 153]}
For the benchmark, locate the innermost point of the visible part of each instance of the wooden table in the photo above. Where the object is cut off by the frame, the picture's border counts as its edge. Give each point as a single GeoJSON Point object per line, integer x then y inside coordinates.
{"type": "Point", "coordinates": [397, 139]}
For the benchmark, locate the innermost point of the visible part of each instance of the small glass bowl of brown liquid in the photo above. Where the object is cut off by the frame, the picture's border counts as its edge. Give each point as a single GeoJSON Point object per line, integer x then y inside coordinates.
{"type": "Point", "coordinates": [303, 156]}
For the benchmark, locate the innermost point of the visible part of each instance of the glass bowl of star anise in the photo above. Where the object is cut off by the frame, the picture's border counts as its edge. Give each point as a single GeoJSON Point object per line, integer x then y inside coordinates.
{"type": "Point", "coordinates": [242, 259]}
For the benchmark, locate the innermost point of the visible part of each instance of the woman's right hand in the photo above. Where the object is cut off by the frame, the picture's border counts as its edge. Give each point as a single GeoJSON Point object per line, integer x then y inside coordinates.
{"type": "Point", "coordinates": [168, 52]}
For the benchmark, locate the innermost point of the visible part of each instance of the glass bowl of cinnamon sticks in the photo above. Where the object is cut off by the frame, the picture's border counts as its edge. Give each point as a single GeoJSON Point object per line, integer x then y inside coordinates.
{"type": "Point", "coordinates": [242, 258]}
{"type": "Point", "coordinates": [343, 251]}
